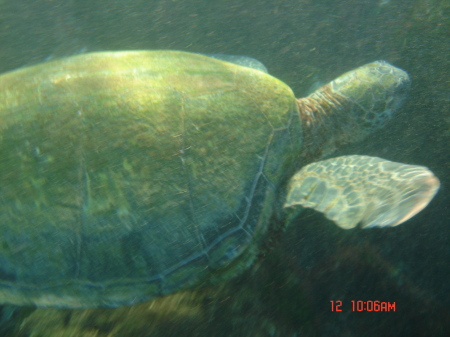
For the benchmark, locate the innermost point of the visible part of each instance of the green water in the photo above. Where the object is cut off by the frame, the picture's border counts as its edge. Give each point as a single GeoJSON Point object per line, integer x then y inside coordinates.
{"type": "Point", "coordinates": [302, 42]}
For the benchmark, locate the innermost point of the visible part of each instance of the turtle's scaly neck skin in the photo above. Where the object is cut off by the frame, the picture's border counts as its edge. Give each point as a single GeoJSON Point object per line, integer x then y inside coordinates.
{"type": "Point", "coordinates": [351, 107]}
{"type": "Point", "coordinates": [323, 130]}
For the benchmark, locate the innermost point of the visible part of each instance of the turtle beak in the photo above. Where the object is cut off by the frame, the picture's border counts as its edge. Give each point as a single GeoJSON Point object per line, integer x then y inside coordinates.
{"type": "Point", "coordinates": [397, 85]}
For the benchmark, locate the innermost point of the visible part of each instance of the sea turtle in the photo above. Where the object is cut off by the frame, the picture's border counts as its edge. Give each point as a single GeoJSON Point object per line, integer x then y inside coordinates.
{"type": "Point", "coordinates": [129, 175]}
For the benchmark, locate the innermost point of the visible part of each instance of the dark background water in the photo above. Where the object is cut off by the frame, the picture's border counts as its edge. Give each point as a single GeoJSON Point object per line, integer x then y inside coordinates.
{"type": "Point", "coordinates": [302, 42]}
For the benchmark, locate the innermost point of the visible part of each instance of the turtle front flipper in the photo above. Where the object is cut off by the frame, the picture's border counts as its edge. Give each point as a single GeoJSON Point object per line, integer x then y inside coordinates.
{"type": "Point", "coordinates": [362, 189]}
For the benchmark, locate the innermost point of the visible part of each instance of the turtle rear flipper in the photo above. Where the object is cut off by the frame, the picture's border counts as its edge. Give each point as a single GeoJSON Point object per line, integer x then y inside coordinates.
{"type": "Point", "coordinates": [362, 189]}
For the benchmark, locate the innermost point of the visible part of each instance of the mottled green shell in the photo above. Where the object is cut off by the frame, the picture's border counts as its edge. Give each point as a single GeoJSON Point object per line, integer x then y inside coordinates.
{"type": "Point", "coordinates": [129, 175]}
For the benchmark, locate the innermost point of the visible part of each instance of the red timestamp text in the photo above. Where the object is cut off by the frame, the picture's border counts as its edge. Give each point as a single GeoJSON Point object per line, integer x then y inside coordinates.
{"type": "Point", "coordinates": [370, 306]}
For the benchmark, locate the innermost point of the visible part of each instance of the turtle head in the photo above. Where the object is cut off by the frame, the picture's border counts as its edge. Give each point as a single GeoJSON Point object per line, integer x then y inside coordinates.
{"type": "Point", "coordinates": [377, 90]}
{"type": "Point", "coordinates": [352, 106]}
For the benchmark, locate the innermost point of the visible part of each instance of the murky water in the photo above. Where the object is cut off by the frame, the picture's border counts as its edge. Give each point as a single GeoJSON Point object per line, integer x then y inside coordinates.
{"type": "Point", "coordinates": [304, 43]}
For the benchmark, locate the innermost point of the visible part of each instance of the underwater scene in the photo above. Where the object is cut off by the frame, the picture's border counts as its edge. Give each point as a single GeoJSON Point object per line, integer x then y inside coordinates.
{"type": "Point", "coordinates": [224, 168]}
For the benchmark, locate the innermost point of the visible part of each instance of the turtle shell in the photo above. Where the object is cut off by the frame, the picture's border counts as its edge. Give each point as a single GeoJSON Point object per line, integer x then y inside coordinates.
{"type": "Point", "coordinates": [130, 175]}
